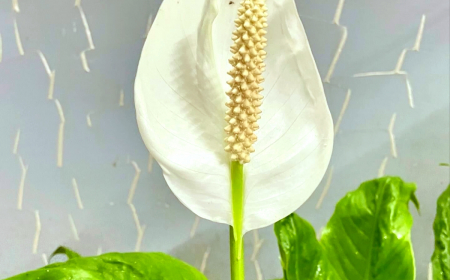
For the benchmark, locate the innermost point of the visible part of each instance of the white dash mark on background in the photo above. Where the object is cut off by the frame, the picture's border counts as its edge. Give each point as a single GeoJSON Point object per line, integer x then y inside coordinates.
{"type": "Point", "coordinates": [392, 136]}
{"type": "Point", "coordinates": [401, 58]}
{"type": "Point", "coordinates": [135, 217]}
{"type": "Point", "coordinates": [23, 175]}
{"type": "Point", "coordinates": [134, 182]}
{"type": "Point", "coordinates": [45, 63]}
{"type": "Point", "coordinates": [15, 6]}
{"type": "Point", "coordinates": [205, 260]}
{"type": "Point", "coordinates": [416, 46]}
{"type": "Point", "coordinates": [326, 188]}
{"type": "Point", "coordinates": [121, 98]}
{"type": "Point", "coordinates": [73, 228]}
{"type": "Point", "coordinates": [341, 114]}
{"type": "Point", "coordinates": [389, 73]}
{"type": "Point", "coordinates": [84, 62]}
{"type": "Point", "coordinates": [400, 61]}
{"type": "Point", "coordinates": [88, 120]}
{"type": "Point", "coordinates": [150, 163]}
{"type": "Point", "coordinates": [16, 142]}
{"type": "Point", "coordinates": [149, 25]}
{"type": "Point", "coordinates": [99, 250]}
{"type": "Point", "coordinates": [51, 86]}
{"type": "Point", "coordinates": [18, 40]}
{"type": "Point", "coordinates": [259, 275]}
{"type": "Point", "coordinates": [60, 111]}
{"type": "Point", "coordinates": [44, 259]}
{"type": "Point", "coordinates": [337, 15]}
{"type": "Point", "coordinates": [430, 271]}
{"type": "Point", "coordinates": [50, 74]}
{"type": "Point", "coordinates": [409, 91]}
{"type": "Point", "coordinates": [60, 144]}
{"type": "Point", "coordinates": [140, 236]}
{"type": "Point", "coordinates": [337, 54]}
{"type": "Point", "coordinates": [139, 229]}
{"type": "Point", "coordinates": [382, 167]}
{"type": "Point", "coordinates": [377, 73]}
{"type": "Point", "coordinates": [257, 244]}
{"type": "Point", "coordinates": [86, 27]}
{"type": "Point", "coordinates": [37, 232]}
{"type": "Point", "coordinates": [194, 226]}
{"type": "Point", "coordinates": [77, 193]}
{"type": "Point", "coordinates": [1, 48]}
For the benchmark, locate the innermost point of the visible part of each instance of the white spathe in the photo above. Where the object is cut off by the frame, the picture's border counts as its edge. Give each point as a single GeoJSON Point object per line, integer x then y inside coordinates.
{"type": "Point", "coordinates": [180, 103]}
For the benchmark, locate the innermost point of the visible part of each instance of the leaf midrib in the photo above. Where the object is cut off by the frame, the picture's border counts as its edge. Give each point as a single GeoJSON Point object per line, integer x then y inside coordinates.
{"type": "Point", "coordinates": [378, 201]}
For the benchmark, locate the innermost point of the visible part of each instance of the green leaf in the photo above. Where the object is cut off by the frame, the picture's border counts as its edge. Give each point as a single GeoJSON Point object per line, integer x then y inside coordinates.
{"type": "Point", "coordinates": [65, 251]}
{"type": "Point", "coordinates": [367, 238]}
{"type": "Point", "coordinates": [114, 266]}
{"type": "Point", "coordinates": [302, 256]}
{"type": "Point", "coordinates": [441, 255]}
{"type": "Point", "coordinates": [369, 234]}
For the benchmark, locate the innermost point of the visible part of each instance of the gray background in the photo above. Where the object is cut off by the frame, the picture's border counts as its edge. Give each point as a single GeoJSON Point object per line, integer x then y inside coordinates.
{"type": "Point", "coordinates": [99, 157]}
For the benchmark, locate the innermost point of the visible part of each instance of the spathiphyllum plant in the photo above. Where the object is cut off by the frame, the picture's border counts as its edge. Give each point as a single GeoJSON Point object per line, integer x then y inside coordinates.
{"type": "Point", "coordinates": [230, 103]}
{"type": "Point", "coordinates": [205, 69]}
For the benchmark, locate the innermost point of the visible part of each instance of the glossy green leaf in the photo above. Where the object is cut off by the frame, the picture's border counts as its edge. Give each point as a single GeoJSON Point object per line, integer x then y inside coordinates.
{"type": "Point", "coordinates": [65, 251]}
{"type": "Point", "coordinates": [441, 255]}
{"type": "Point", "coordinates": [114, 266]}
{"type": "Point", "coordinates": [302, 257]}
{"type": "Point", "coordinates": [367, 238]}
{"type": "Point", "coordinates": [369, 234]}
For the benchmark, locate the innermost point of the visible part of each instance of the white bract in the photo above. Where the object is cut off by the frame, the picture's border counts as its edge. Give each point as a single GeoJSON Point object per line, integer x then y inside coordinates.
{"type": "Point", "coordinates": [180, 102]}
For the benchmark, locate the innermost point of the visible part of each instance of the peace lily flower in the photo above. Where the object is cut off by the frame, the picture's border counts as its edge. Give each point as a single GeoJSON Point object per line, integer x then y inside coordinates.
{"type": "Point", "coordinates": [275, 152]}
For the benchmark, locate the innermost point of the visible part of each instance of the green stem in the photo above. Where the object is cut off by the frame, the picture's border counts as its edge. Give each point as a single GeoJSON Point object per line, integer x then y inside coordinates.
{"type": "Point", "coordinates": [236, 258]}
{"type": "Point", "coordinates": [236, 240]}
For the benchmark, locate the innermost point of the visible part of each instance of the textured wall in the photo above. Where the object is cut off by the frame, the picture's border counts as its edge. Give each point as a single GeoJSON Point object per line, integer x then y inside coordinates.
{"type": "Point", "coordinates": [71, 154]}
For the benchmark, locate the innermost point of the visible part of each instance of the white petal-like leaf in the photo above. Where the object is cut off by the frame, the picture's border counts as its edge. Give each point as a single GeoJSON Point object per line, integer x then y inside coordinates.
{"type": "Point", "coordinates": [180, 103]}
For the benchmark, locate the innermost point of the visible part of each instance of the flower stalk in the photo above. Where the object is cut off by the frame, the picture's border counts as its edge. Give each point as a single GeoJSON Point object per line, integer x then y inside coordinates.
{"type": "Point", "coordinates": [236, 258]}
{"type": "Point", "coordinates": [236, 238]}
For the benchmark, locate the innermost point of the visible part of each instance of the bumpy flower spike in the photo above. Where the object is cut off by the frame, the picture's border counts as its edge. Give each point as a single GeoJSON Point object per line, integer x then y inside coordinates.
{"type": "Point", "coordinates": [247, 61]}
